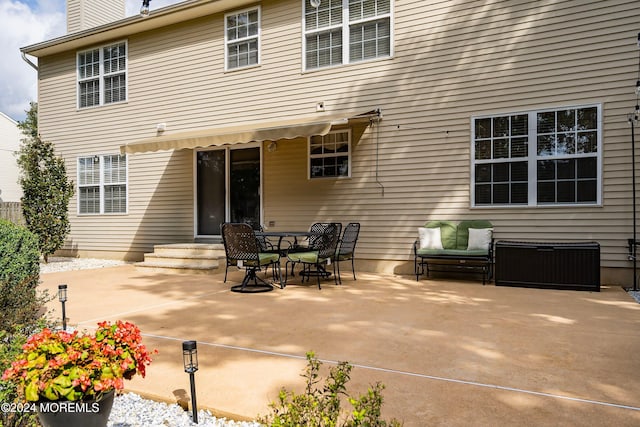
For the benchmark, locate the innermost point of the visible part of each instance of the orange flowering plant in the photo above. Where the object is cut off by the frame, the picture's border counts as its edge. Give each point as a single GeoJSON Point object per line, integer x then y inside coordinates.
{"type": "Point", "coordinates": [73, 366]}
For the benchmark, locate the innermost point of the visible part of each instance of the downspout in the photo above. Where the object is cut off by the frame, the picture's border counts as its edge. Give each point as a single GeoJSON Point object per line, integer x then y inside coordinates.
{"type": "Point", "coordinates": [377, 125]}
{"type": "Point", "coordinates": [28, 61]}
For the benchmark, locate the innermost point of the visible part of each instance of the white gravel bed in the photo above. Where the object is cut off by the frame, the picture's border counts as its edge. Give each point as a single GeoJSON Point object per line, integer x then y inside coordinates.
{"type": "Point", "coordinates": [131, 410]}
{"type": "Point", "coordinates": [57, 264]}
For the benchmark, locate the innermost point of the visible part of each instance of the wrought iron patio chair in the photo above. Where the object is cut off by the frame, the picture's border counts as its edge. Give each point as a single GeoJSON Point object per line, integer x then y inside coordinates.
{"type": "Point", "coordinates": [242, 249]}
{"type": "Point", "coordinates": [321, 251]}
{"type": "Point", "coordinates": [347, 248]}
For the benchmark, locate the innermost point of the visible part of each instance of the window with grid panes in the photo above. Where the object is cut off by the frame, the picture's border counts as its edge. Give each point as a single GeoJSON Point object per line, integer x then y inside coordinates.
{"type": "Point", "coordinates": [102, 75]}
{"type": "Point", "coordinates": [242, 38]}
{"type": "Point", "coordinates": [547, 157]}
{"type": "Point", "coordinates": [330, 155]}
{"type": "Point", "coordinates": [102, 184]}
{"type": "Point", "coordinates": [344, 31]}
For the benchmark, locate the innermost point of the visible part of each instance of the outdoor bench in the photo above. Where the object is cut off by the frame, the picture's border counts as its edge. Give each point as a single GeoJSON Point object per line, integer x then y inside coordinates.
{"type": "Point", "coordinates": [463, 247]}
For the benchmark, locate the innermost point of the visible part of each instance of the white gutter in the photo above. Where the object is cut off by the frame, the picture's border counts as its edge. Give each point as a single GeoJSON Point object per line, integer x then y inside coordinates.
{"type": "Point", "coordinates": [28, 61]}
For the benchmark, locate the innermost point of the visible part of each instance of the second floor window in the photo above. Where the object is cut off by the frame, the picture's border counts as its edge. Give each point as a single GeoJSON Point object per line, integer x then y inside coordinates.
{"type": "Point", "coordinates": [102, 75]}
{"type": "Point", "coordinates": [345, 31]}
{"type": "Point", "coordinates": [242, 38]}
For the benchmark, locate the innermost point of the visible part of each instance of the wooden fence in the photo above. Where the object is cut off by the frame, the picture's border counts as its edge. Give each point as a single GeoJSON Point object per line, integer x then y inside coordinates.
{"type": "Point", "coordinates": [12, 211]}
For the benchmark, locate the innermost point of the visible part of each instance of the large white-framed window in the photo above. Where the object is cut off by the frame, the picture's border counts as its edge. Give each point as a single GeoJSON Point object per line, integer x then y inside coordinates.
{"type": "Point", "coordinates": [330, 155]}
{"type": "Point", "coordinates": [102, 75]}
{"type": "Point", "coordinates": [345, 31]}
{"type": "Point", "coordinates": [242, 38]}
{"type": "Point", "coordinates": [102, 184]}
{"type": "Point", "coordinates": [538, 158]}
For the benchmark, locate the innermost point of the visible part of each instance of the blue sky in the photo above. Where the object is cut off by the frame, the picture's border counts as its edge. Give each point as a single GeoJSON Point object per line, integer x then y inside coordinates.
{"type": "Point", "coordinates": [25, 22]}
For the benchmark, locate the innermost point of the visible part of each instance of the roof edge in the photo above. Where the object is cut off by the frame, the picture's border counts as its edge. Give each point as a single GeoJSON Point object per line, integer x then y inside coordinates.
{"type": "Point", "coordinates": [168, 15]}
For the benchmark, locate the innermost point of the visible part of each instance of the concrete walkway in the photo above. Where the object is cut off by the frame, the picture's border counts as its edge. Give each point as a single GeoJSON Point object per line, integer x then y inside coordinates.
{"type": "Point", "coordinates": [451, 353]}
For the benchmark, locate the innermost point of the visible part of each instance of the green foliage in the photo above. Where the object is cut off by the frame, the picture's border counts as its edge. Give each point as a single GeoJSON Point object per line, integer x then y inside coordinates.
{"type": "Point", "coordinates": [19, 276]}
{"type": "Point", "coordinates": [21, 307]}
{"type": "Point", "coordinates": [46, 188]}
{"type": "Point", "coordinates": [320, 405]}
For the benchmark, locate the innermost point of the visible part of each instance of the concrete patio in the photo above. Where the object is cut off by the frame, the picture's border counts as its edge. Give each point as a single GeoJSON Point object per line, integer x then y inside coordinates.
{"type": "Point", "coordinates": [451, 353]}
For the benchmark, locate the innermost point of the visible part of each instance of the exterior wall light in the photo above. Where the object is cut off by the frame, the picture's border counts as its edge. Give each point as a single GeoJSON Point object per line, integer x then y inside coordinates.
{"type": "Point", "coordinates": [144, 9]}
{"type": "Point", "coordinates": [190, 360]}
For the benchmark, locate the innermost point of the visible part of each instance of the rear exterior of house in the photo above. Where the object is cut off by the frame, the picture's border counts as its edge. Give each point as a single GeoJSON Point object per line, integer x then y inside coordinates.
{"type": "Point", "coordinates": [510, 111]}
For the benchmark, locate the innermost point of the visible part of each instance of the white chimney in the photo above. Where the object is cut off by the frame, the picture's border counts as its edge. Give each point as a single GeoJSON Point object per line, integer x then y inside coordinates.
{"type": "Point", "coordinates": [84, 14]}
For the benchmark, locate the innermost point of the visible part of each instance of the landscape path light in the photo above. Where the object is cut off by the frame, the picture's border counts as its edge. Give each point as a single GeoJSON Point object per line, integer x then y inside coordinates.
{"type": "Point", "coordinates": [190, 360]}
{"type": "Point", "coordinates": [62, 297]}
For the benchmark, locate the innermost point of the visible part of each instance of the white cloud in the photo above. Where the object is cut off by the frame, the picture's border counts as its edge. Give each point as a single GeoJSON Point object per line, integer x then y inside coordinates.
{"type": "Point", "coordinates": [25, 22]}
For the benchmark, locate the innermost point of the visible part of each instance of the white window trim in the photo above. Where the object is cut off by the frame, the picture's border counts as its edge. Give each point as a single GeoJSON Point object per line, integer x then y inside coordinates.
{"type": "Point", "coordinates": [101, 75]}
{"type": "Point", "coordinates": [345, 36]}
{"type": "Point", "coordinates": [348, 153]}
{"type": "Point", "coordinates": [101, 185]}
{"type": "Point", "coordinates": [227, 41]}
{"type": "Point", "coordinates": [532, 158]}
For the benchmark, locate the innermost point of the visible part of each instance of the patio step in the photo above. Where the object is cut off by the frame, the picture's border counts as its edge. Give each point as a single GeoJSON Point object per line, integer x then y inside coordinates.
{"type": "Point", "coordinates": [188, 258]}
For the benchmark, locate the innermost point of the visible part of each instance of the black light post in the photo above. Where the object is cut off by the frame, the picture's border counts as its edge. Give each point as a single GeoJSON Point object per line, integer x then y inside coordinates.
{"type": "Point", "coordinates": [632, 120]}
{"type": "Point", "coordinates": [62, 297]}
{"type": "Point", "coordinates": [190, 360]}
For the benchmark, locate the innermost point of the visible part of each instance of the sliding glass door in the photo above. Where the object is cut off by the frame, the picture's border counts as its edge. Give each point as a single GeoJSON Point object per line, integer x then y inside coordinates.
{"type": "Point", "coordinates": [228, 188]}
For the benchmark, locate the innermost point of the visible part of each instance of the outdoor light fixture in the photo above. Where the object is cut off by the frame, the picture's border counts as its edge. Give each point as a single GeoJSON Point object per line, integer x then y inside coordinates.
{"type": "Point", "coordinates": [144, 9]}
{"type": "Point", "coordinates": [190, 360]}
{"type": "Point", "coordinates": [315, 3]}
{"type": "Point", "coordinates": [62, 297]}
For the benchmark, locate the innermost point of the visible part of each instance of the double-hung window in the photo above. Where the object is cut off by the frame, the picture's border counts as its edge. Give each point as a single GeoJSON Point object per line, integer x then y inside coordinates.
{"type": "Point", "coordinates": [102, 184]}
{"type": "Point", "coordinates": [345, 31]}
{"type": "Point", "coordinates": [330, 155]}
{"type": "Point", "coordinates": [242, 38]}
{"type": "Point", "coordinates": [102, 75]}
{"type": "Point", "coordinates": [538, 158]}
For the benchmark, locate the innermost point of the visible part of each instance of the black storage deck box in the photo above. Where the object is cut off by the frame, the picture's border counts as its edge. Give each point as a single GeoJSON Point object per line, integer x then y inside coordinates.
{"type": "Point", "coordinates": [573, 266]}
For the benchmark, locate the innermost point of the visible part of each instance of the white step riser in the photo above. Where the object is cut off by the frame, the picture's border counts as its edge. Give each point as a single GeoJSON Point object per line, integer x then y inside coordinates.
{"type": "Point", "coordinates": [187, 253]}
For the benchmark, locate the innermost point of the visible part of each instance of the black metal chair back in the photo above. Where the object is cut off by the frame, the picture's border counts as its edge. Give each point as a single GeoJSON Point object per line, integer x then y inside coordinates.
{"type": "Point", "coordinates": [325, 235]}
{"type": "Point", "coordinates": [347, 248]}
{"type": "Point", "coordinates": [240, 243]}
{"type": "Point", "coordinates": [349, 239]}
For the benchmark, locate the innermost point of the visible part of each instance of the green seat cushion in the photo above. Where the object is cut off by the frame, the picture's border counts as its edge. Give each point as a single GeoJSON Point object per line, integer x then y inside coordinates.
{"type": "Point", "coordinates": [310, 257]}
{"type": "Point", "coordinates": [265, 258]}
{"type": "Point", "coordinates": [447, 233]}
{"type": "Point", "coordinates": [451, 252]}
{"type": "Point", "coordinates": [462, 239]}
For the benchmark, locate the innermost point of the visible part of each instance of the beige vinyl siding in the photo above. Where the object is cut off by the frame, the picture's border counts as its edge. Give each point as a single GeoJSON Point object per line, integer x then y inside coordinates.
{"type": "Point", "coordinates": [452, 61]}
{"type": "Point", "coordinates": [85, 14]}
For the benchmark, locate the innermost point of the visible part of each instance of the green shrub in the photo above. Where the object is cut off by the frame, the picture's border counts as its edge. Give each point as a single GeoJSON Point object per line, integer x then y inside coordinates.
{"type": "Point", "coordinates": [321, 406]}
{"type": "Point", "coordinates": [19, 277]}
{"type": "Point", "coordinates": [21, 307]}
